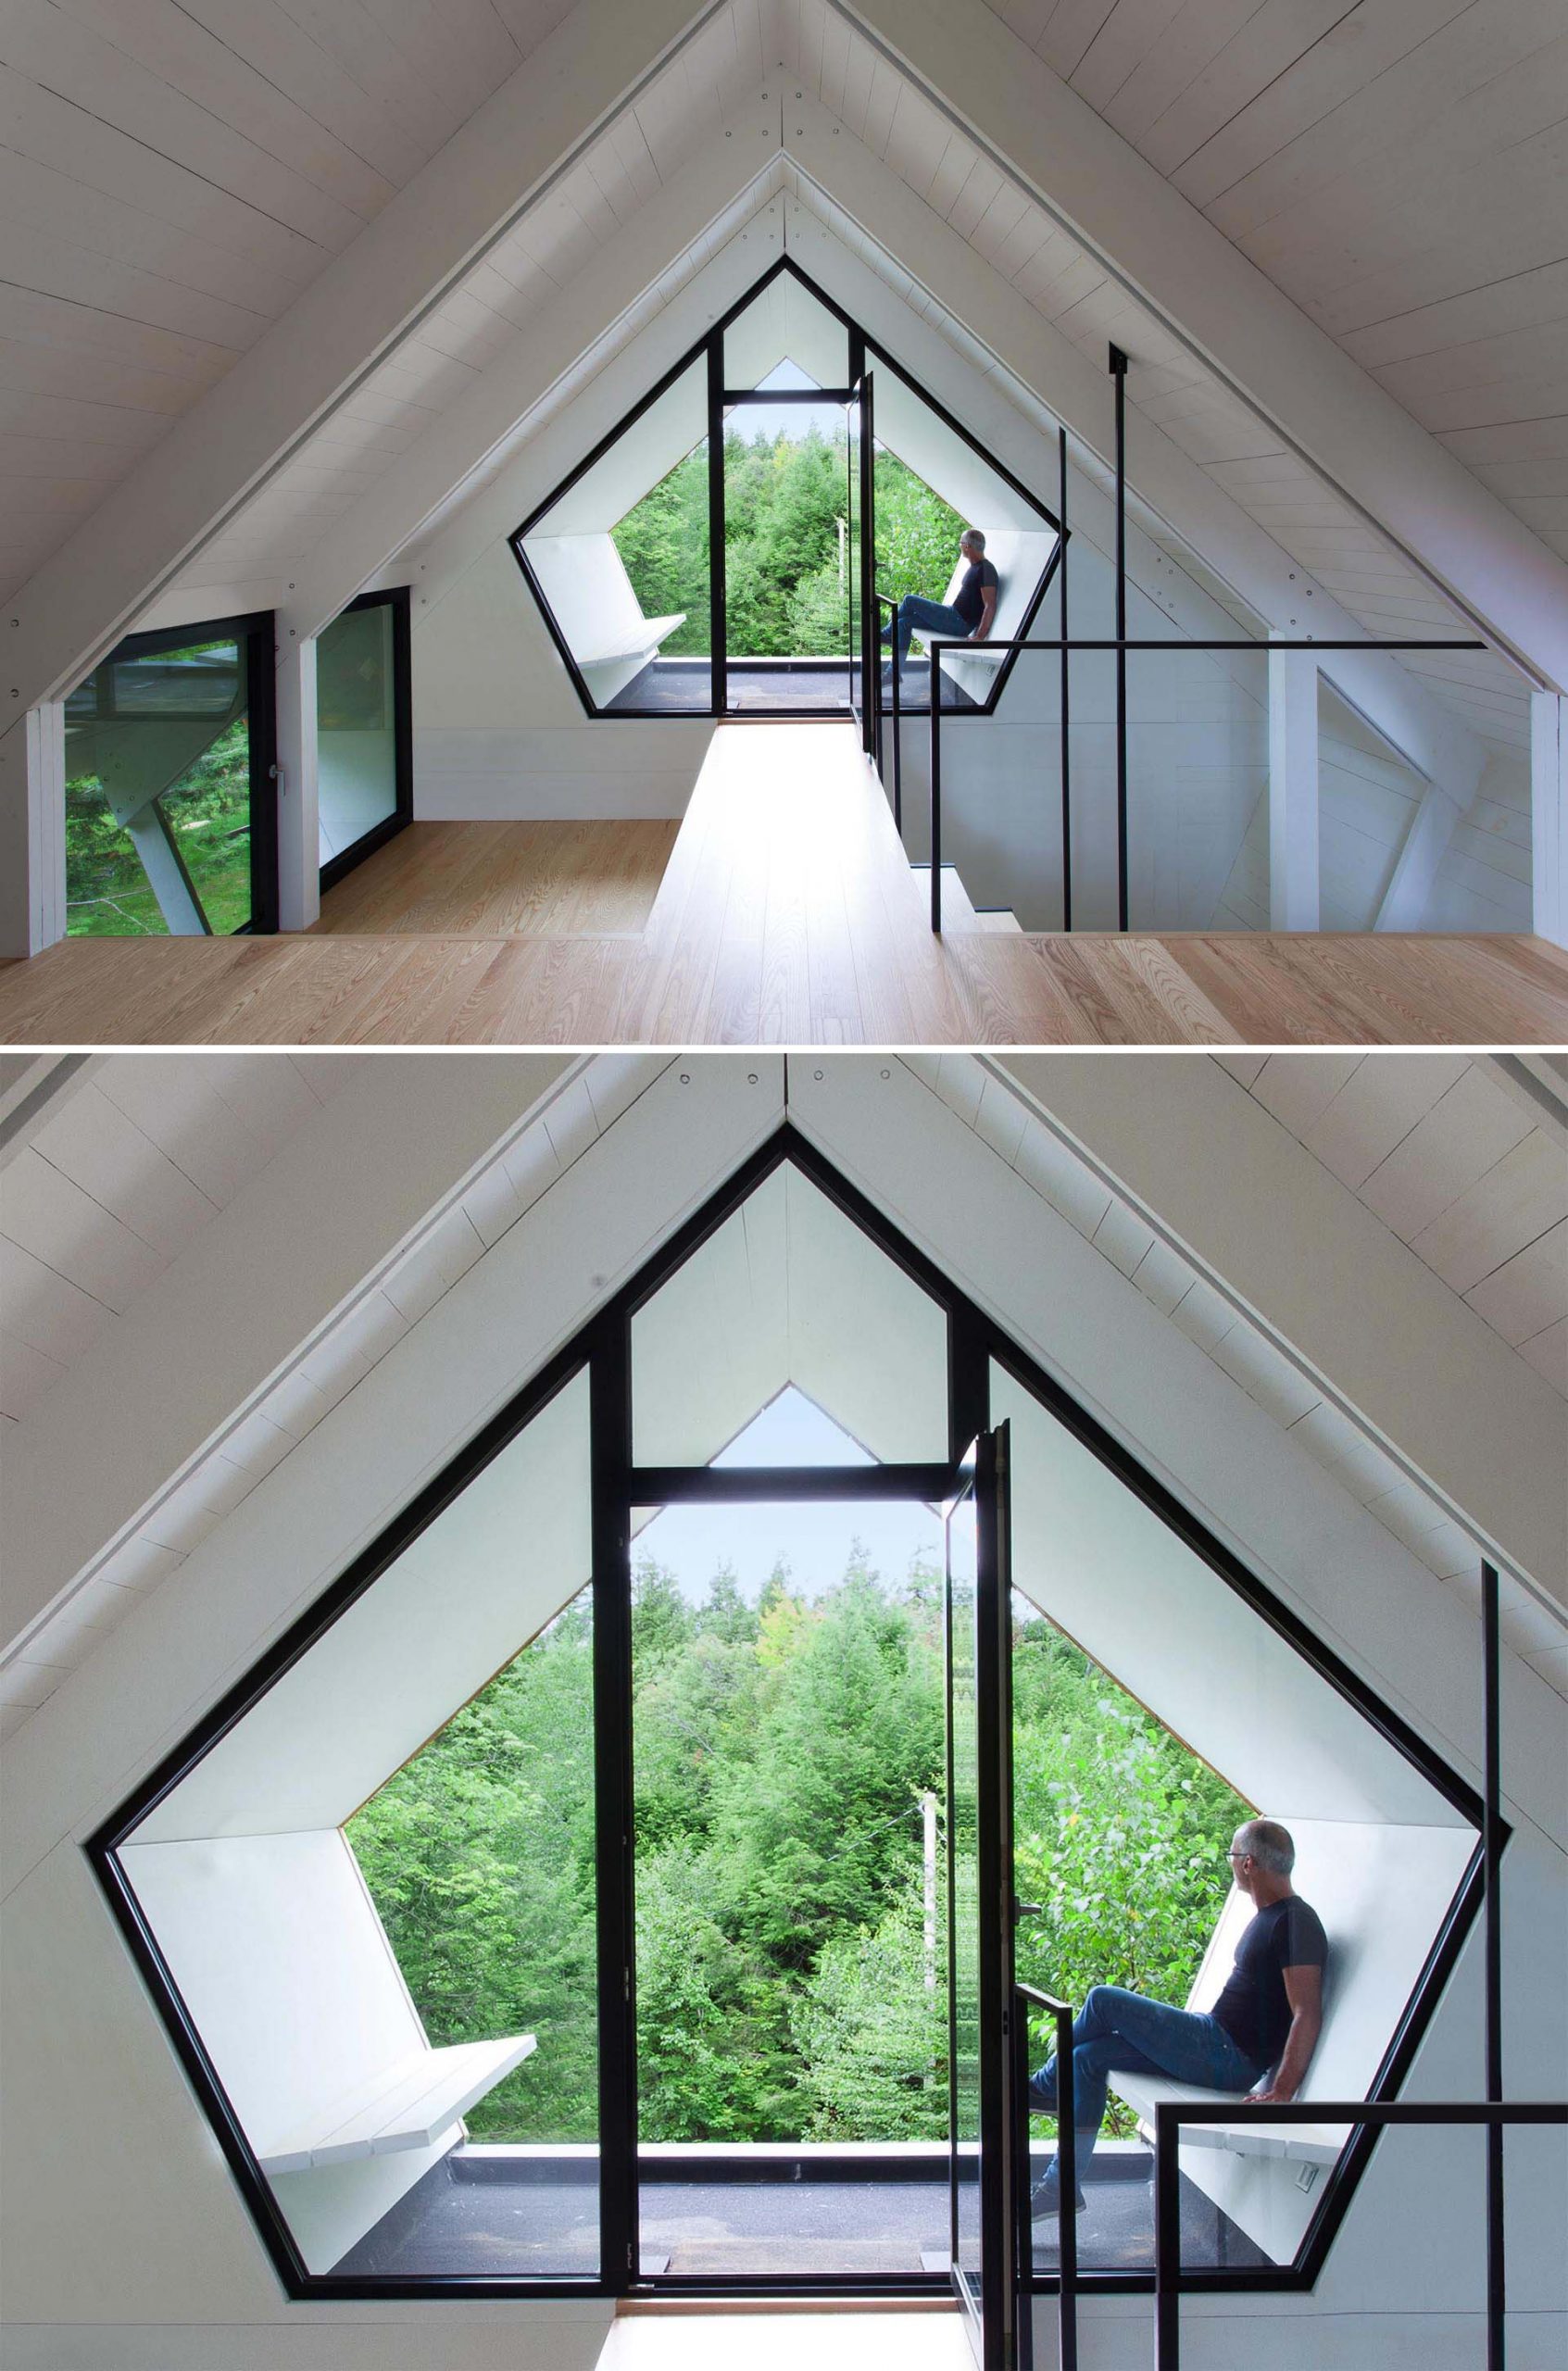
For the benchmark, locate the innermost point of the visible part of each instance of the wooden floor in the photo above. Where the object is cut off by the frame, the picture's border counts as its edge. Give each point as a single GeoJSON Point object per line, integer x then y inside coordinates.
{"type": "Point", "coordinates": [786, 914]}
{"type": "Point", "coordinates": [502, 880]}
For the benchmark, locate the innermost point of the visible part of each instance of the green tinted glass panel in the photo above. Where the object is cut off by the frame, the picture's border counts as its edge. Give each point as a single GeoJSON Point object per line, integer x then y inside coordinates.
{"type": "Point", "coordinates": [357, 727]}
{"type": "Point", "coordinates": [157, 795]}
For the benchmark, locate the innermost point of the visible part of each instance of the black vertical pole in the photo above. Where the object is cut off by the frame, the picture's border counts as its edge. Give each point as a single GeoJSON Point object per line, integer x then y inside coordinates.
{"type": "Point", "coordinates": [718, 634]}
{"type": "Point", "coordinates": [898, 725]}
{"type": "Point", "coordinates": [1167, 2241]}
{"type": "Point", "coordinates": [1066, 691]}
{"type": "Point", "coordinates": [1119, 373]}
{"type": "Point", "coordinates": [1067, 2194]}
{"type": "Point", "coordinates": [1491, 1847]}
{"type": "Point", "coordinates": [935, 650]}
{"type": "Point", "coordinates": [609, 1390]}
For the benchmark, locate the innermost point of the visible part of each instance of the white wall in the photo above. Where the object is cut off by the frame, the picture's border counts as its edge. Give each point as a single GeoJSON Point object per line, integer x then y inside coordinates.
{"type": "Point", "coordinates": [1482, 883]}
{"type": "Point", "coordinates": [1097, 1562]}
{"type": "Point", "coordinates": [510, 1552]}
{"type": "Point", "coordinates": [499, 733]}
{"type": "Point", "coordinates": [285, 1968]}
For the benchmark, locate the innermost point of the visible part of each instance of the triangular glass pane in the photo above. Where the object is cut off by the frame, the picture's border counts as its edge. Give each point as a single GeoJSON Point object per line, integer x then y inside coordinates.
{"type": "Point", "coordinates": [788, 1290]}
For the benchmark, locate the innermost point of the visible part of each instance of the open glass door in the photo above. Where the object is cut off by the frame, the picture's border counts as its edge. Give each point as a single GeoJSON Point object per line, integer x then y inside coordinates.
{"type": "Point", "coordinates": [984, 2207]}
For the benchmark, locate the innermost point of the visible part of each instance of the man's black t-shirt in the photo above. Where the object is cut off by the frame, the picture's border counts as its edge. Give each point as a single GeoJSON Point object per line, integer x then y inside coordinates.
{"type": "Point", "coordinates": [970, 600]}
{"type": "Point", "coordinates": [1253, 2008]}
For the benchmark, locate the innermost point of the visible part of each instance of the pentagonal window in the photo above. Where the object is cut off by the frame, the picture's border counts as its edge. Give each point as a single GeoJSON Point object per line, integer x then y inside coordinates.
{"type": "Point", "coordinates": [831, 478]}
{"type": "Point", "coordinates": [574, 1896]}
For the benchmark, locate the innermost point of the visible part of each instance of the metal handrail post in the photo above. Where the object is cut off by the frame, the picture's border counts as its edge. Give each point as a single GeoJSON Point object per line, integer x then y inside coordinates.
{"type": "Point", "coordinates": [935, 650]}
{"type": "Point", "coordinates": [1066, 2168]}
{"type": "Point", "coordinates": [1119, 373]}
{"type": "Point", "coordinates": [1171, 2115]}
{"type": "Point", "coordinates": [1491, 1861]}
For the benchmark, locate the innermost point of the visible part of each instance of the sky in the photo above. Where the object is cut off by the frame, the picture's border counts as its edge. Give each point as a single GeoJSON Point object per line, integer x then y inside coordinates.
{"type": "Point", "coordinates": [752, 420]}
{"type": "Point", "coordinates": [694, 1541]}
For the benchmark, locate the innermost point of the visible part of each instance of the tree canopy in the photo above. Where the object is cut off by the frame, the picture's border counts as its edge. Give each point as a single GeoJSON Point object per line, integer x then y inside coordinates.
{"type": "Point", "coordinates": [786, 500]}
{"type": "Point", "coordinates": [786, 1989]}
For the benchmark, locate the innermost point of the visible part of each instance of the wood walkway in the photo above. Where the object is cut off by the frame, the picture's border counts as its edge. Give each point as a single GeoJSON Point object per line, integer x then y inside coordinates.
{"type": "Point", "coordinates": [787, 915]}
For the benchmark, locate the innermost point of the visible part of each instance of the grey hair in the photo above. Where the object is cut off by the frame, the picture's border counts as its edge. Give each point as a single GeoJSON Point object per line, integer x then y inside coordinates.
{"type": "Point", "coordinates": [1271, 1845]}
{"type": "Point", "coordinates": [972, 535]}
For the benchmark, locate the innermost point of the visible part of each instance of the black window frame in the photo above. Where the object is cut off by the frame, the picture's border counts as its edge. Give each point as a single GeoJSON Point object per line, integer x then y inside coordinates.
{"type": "Point", "coordinates": [602, 1349]}
{"type": "Point", "coordinates": [398, 599]}
{"type": "Point", "coordinates": [865, 354]}
{"type": "Point", "coordinates": [256, 631]}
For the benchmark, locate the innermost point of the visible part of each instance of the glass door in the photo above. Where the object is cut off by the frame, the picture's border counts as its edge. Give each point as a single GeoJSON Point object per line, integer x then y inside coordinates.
{"type": "Point", "coordinates": [981, 2167]}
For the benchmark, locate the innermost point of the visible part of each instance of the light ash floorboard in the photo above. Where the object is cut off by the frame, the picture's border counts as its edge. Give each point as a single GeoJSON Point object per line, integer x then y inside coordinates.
{"type": "Point", "coordinates": [782, 911]}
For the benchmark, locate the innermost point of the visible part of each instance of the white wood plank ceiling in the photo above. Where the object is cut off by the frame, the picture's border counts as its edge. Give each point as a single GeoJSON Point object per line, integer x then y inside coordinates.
{"type": "Point", "coordinates": [1397, 167]}
{"type": "Point", "coordinates": [1457, 1159]}
{"type": "Point", "coordinates": [126, 1163]}
{"type": "Point", "coordinates": [1338, 549]}
{"type": "Point", "coordinates": [175, 172]}
{"type": "Point", "coordinates": [370, 1323]}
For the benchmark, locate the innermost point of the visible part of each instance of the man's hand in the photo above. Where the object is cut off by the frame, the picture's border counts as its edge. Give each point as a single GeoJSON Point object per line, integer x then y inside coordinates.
{"type": "Point", "coordinates": [1278, 2095]}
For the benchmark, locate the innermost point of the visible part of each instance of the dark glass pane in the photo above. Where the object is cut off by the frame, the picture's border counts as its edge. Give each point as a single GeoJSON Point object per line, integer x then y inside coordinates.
{"type": "Point", "coordinates": [157, 795]}
{"type": "Point", "coordinates": [357, 726]}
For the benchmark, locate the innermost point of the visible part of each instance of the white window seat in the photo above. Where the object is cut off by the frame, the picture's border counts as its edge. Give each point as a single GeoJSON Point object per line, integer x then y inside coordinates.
{"type": "Point", "coordinates": [407, 2105]}
{"type": "Point", "coordinates": [639, 640]}
{"type": "Point", "coordinates": [1302, 2144]}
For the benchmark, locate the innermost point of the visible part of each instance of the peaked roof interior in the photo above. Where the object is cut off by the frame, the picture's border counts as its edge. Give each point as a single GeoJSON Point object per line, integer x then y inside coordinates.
{"type": "Point", "coordinates": [177, 186]}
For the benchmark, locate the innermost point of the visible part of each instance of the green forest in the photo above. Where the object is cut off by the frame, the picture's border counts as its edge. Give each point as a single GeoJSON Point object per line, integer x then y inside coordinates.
{"type": "Point", "coordinates": [782, 1748]}
{"type": "Point", "coordinates": [784, 499]}
{"type": "Point", "coordinates": [208, 812]}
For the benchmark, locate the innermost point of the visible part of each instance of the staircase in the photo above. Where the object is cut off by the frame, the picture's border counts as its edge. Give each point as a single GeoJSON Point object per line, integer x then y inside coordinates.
{"type": "Point", "coordinates": [958, 911]}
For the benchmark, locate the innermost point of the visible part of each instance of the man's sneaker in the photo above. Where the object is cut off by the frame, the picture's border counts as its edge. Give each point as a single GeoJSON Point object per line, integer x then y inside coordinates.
{"type": "Point", "coordinates": [1045, 2196]}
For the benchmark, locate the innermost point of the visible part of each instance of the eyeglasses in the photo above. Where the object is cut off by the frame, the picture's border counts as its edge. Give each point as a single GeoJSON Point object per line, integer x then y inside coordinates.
{"type": "Point", "coordinates": [1233, 1855]}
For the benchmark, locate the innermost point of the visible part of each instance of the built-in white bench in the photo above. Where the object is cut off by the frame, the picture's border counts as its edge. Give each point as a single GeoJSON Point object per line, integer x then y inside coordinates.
{"type": "Point", "coordinates": [408, 2105]}
{"type": "Point", "coordinates": [1300, 2144]}
{"type": "Point", "coordinates": [584, 581]}
{"type": "Point", "coordinates": [639, 642]}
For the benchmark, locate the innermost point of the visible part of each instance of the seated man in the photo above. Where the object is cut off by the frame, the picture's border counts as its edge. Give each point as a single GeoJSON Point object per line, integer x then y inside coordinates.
{"type": "Point", "coordinates": [1265, 2022]}
{"type": "Point", "coordinates": [969, 618]}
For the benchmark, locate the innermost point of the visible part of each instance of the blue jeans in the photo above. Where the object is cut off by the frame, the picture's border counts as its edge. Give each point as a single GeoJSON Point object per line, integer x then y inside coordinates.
{"type": "Point", "coordinates": [931, 617]}
{"type": "Point", "coordinates": [1117, 2031]}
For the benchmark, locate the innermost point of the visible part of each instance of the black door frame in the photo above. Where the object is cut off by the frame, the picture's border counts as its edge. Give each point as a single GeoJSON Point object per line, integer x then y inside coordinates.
{"type": "Point", "coordinates": [991, 2316]}
{"type": "Point", "coordinates": [602, 1350]}
{"type": "Point", "coordinates": [398, 599]}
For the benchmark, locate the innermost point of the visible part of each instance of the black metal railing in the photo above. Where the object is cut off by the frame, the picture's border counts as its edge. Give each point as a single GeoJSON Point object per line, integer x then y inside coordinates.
{"type": "Point", "coordinates": [1170, 2116]}
{"type": "Point", "coordinates": [1119, 646]}
{"type": "Point", "coordinates": [1492, 2113]}
{"type": "Point", "coordinates": [1030, 1997]}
